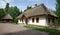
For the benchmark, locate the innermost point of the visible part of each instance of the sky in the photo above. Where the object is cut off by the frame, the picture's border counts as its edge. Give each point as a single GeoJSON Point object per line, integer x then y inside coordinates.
{"type": "Point", "coordinates": [22, 4]}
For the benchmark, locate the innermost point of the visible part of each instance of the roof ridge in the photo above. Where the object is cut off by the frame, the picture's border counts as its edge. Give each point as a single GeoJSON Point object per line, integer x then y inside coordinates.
{"type": "Point", "coordinates": [35, 7]}
{"type": "Point", "coordinates": [9, 16]}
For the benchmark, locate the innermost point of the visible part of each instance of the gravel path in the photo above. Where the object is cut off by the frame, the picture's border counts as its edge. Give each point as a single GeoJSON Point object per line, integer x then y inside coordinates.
{"type": "Point", "coordinates": [11, 29]}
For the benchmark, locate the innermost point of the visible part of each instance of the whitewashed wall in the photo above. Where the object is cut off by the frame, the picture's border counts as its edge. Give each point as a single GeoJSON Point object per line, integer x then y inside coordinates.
{"type": "Point", "coordinates": [20, 21]}
{"type": "Point", "coordinates": [51, 22]}
{"type": "Point", "coordinates": [42, 21]}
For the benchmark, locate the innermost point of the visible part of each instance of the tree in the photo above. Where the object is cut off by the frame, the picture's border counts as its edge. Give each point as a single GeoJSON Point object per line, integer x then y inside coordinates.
{"type": "Point", "coordinates": [35, 5]}
{"type": "Point", "coordinates": [14, 12]}
{"type": "Point", "coordinates": [2, 13]}
{"type": "Point", "coordinates": [7, 8]}
{"type": "Point", "coordinates": [28, 7]}
{"type": "Point", "coordinates": [58, 10]}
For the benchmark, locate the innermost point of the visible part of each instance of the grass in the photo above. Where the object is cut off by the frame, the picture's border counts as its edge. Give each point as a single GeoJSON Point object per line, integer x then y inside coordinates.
{"type": "Point", "coordinates": [51, 31]}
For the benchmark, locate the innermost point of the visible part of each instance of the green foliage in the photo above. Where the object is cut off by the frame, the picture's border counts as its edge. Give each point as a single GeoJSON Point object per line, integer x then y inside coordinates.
{"type": "Point", "coordinates": [1, 13]}
{"type": "Point", "coordinates": [35, 5]}
{"type": "Point", "coordinates": [58, 10]}
{"type": "Point", "coordinates": [7, 8]}
{"type": "Point", "coordinates": [28, 7]}
{"type": "Point", "coordinates": [14, 12]}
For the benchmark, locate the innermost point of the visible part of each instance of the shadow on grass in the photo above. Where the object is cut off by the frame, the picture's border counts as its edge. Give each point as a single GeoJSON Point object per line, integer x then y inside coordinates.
{"type": "Point", "coordinates": [51, 31]}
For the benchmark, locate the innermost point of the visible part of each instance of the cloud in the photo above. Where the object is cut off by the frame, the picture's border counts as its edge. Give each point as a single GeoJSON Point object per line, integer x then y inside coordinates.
{"type": "Point", "coordinates": [34, 0]}
{"type": "Point", "coordinates": [3, 3]}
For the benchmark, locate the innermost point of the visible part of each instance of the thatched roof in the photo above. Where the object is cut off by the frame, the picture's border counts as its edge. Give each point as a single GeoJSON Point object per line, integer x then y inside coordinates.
{"type": "Point", "coordinates": [38, 10]}
{"type": "Point", "coordinates": [7, 16]}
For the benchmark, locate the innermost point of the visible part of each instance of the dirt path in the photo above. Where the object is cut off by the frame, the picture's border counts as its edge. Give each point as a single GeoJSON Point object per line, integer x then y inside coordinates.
{"type": "Point", "coordinates": [11, 29]}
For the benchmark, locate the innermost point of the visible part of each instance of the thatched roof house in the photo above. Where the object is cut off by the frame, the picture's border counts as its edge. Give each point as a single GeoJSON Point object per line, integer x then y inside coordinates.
{"type": "Point", "coordinates": [7, 18]}
{"type": "Point", "coordinates": [39, 10]}
{"type": "Point", "coordinates": [39, 15]}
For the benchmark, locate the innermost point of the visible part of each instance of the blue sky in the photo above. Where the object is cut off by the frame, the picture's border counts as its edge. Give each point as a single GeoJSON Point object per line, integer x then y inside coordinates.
{"type": "Point", "coordinates": [22, 4]}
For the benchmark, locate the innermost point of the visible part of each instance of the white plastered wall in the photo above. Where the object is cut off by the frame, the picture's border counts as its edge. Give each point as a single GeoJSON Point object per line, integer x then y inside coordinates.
{"type": "Point", "coordinates": [42, 21]}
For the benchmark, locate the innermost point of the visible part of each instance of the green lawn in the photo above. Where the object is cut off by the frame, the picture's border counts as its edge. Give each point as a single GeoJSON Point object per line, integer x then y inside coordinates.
{"type": "Point", "coordinates": [51, 31]}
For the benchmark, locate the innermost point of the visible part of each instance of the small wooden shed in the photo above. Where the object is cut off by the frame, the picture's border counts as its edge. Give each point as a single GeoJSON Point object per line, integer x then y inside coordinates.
{"type": "Point", "coordinates": [7, 18]}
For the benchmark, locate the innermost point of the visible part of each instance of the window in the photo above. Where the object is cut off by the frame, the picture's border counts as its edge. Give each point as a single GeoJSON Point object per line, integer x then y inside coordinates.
{"type": "Point", "coordinates": [48, 20]}
{"type": "Point", "coordinates": [32, 19]}
{"type": "Point", "coordinates": [37, 20]}
{"type": "Point", "coordinates": [53, 20]}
